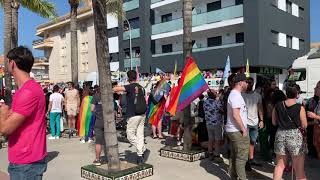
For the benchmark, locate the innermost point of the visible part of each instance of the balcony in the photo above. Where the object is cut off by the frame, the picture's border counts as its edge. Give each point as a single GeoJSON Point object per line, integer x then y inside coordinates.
{"type": "Point", "coordinates": [131, 5]}
{"type": "Point", "coordinates": [159, 3]}
{"type": "Point", "coordinates": [198, 20]}
{"type": "Point", "coordinates": [135, 62]}
{"type": "Point", "coordinates": [42, 44]}
{"type": "Point", "coordinates": [200, 49]}
{"type": "Point", "coordinates": [135, 33]}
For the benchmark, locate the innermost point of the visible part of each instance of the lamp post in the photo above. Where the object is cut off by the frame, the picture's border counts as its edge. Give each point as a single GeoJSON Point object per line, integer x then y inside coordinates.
{"type": "Point", "coordinates": [130, 42]}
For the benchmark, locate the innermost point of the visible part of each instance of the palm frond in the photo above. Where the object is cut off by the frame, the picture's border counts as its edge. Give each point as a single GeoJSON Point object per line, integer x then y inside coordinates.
{"type": "Point", "coordinates": [1, 3]}
{"type": "Point", "coordinates": [43, 8]}
{"type": "Point", "coordinates": [115, 8]}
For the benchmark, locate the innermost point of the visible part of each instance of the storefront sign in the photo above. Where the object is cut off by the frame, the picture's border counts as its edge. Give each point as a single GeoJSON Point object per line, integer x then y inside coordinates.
{"type": "Point", "coordinates": [269, 70]}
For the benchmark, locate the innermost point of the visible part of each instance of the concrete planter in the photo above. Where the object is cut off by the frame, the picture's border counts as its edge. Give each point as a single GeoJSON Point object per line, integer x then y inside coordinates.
{"type": "Point", "coordinates": [179, 154]}
{"type": "Point", "coordinates": [128, 171]}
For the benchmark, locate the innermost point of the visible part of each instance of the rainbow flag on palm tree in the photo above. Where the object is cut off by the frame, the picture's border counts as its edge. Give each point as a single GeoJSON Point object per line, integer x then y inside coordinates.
{"type": "Point", "coordinates": [190, 87]}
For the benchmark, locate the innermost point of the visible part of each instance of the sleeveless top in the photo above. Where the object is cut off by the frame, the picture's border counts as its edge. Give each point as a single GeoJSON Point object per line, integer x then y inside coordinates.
{"type": "Point", "coordinates": [283, 111]}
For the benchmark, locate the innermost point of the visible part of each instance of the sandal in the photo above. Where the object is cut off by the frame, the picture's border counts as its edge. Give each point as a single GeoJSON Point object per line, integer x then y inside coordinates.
{"type": "Point", "coordinates": [154, 137]}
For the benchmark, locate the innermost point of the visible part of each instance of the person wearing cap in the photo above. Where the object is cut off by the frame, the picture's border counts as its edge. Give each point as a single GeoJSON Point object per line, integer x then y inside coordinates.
{"type": "Point", "coordinates": [236, 128]}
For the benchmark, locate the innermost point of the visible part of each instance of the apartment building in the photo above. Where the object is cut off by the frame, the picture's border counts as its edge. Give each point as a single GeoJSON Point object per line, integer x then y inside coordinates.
{"type": "Point", "coordinates": [269, 33]}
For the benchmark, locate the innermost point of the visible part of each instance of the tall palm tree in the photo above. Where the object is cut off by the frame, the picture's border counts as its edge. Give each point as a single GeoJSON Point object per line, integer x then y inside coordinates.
{"type": "Point", "coordinates": [100, 10]}
{"type": "Point", "coordinates": [187, 51]}
{"type": "Point", "coordinates": [7, 33]}
{"type": "Point", "coordinates": [11, 7]}
{"type": "Point", "coordinates": [74, 4]}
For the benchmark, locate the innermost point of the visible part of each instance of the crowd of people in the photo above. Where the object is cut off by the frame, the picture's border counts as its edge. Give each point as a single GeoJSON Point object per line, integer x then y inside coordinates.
{"type": "Point", "coordinates": [230, 121]}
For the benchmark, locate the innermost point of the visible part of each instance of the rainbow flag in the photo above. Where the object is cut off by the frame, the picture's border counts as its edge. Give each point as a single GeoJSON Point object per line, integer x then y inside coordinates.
{"type": "Point", "coordinates": [190, 87]}
{"type": "Point", "coordinates": [247, 69]}
{"type": "Point", "coordinates": [155, 111]}
{"type": "Point", "coordinates": [85, 117]}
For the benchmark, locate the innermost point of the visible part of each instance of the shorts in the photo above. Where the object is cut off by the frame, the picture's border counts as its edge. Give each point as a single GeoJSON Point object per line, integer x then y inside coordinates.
{"type": "Point", "coordinates": [99, 135]}
{"type": "Point", "coordinates": [72, 110]}
{"type": "Point", "coordinates": [290, 142]}
{"type": "Point", "coordinates": [253, 134]}
{"type": "Point", "coordinates": [215, 132]}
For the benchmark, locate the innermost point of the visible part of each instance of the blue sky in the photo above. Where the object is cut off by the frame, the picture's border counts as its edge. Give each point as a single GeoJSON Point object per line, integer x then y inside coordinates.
{"type": "Point", "coordinates": [29, 21]}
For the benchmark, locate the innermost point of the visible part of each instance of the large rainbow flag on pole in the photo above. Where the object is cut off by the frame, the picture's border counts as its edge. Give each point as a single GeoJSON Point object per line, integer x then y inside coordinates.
{"type": "Point", "coordinates": [190, 87]}
{"type": "Point", "coordinates": [85, 117]}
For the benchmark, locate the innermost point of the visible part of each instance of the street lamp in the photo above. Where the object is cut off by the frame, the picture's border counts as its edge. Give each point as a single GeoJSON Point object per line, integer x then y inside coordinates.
{"type": "Point", "coordinates": [130, 41]}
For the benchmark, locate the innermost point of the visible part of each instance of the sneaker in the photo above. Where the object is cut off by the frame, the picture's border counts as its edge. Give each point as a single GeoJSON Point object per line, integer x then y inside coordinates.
{"type": "Point", "coordinates": [218, 159]}
{"type": "Point", "coordinates": [146, 154]}
{"type": "Point", "coordinates": [179, 143]}
{"type": "Point", "coordinates": [140, 160]}
{"type": "Point", "coordinates": [90, 141]}
{"type": "Point", "coordinates": [57, 137]}
{"type": "Point", "coordinates": [51, 137]}
{"type": "Point", "coordinates": [82, 141]}
{"type": "Point", "coordinates": [254, 163]}
{"type": "Point", "coordinates": [97, 162]}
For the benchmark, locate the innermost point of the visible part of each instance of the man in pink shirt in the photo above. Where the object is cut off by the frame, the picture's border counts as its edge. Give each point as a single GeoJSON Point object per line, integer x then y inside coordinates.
{"type": "Point", "coordinates": [25, 124]}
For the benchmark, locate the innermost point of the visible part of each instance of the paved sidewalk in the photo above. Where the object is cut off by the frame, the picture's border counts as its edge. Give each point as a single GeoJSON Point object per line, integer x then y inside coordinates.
{"type": "Point", "coordinates": [66, 156]}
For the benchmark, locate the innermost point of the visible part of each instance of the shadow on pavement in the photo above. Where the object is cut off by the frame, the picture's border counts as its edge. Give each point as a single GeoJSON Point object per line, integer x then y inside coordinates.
{"type": "Point", "coordinates": [52, 155]}
{"type": "Point", "coordinates": [220, 170]}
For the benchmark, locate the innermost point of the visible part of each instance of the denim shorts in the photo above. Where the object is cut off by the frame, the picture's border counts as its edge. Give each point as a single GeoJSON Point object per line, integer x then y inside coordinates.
{"type": "Point", "coordinates": [32, 171]}
{"type": "Point", "coordinates": [253, 134]}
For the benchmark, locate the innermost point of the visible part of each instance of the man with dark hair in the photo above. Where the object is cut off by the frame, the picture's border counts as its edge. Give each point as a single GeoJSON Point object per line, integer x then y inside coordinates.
{"type": "Point", "coordinates": [72, 104]}
{"type": "Point", "coordinates": [253, 102]}
{"type": "Point", "coordinates": [135, 120]}
{"type": "Point", "coordinates": [55, 110]}
{"type": "Point", "coordinates": [25, 123]}
{"type": "Point", "coordinates": [236, 128]}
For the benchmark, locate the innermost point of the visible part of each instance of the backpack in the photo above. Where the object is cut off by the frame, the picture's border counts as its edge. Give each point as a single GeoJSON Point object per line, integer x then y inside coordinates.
{"type": "Point", "coordinates": [139, 100]}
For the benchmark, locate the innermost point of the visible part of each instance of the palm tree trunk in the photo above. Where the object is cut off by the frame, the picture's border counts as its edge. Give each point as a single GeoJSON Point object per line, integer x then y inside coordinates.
{"type": "Point", "coordinates": [15, 8]}
{"type": "Point", "coordinates": [103, 59]}
{"type": "Point", "coordinates": [187, 51]}
{"type": "Point", "coordinates": [6, 48]}
{"type": "Point", "coordinates": [74, 40]}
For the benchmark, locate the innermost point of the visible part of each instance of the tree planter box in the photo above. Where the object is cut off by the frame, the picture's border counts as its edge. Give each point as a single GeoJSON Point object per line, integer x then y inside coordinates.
{"type": "Point", "coordinates": [128, 171]}
{"type": "Point", "coordinates": [179, 154]}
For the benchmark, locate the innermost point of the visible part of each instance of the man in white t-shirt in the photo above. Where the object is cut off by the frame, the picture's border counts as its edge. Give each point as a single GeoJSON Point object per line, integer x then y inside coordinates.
{"type": "Point", "coordinates": [236, 128]}
{"type": "Point", "coordinates": [55, 110]}
{"type": "Point", "coordinates": [255, 118]}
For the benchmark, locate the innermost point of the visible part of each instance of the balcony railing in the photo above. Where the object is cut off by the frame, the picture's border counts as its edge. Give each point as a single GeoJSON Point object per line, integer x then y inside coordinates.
{"type": "Point", "coordinates": [135, 33]}
{"type": "Point", "coordinates": [128, 6]}
{"type": "Point", "coordinates": [155, 1]}
{"type": "Point", "coordinates": [135, 62]}
{"type": "Point", "coordinates": [42, 43]}
{"type": "Point", "coordinates": [227, 13]}
{"type": "Point", "coordinates": [200, 49]}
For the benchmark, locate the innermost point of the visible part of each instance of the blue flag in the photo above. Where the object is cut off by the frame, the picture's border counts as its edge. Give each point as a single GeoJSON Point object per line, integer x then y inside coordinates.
{"type": "Point", "coordinates": [227, 70]}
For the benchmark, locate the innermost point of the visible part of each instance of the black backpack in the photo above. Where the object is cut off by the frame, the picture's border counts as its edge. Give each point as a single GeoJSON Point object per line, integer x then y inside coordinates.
{"type": "Point", "coordinates": [139, 100]}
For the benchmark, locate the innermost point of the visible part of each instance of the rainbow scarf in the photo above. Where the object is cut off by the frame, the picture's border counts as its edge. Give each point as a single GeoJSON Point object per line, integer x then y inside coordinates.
{"type": "Point", "coordinates": [85, 117]}
{"type": "Point", "coordinates": [190, 87]}
{"type": "Point", "coordinates": [155, 111]}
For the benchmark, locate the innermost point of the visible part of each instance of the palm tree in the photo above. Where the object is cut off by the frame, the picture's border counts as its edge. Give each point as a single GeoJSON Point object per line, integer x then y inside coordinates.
{"type": "Point", "coordinates": [7, 33]}
{"type": "Point", "coordinates": [11, 7]}
{"type": "Point", "coordinates": [74, 4]}
{"type": "Point", "coordinates": [100, 10]}
{"type": "Point", "coordinates": [187, 51]}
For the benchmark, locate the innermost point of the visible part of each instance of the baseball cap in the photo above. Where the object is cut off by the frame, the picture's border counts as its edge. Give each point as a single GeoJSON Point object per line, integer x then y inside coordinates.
{"type": "Point", "coordinates": [240, 77]}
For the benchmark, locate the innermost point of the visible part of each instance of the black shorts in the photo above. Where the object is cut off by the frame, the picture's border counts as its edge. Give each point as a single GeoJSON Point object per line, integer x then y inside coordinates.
{"type": "Point", "coordinates": [99, 135]}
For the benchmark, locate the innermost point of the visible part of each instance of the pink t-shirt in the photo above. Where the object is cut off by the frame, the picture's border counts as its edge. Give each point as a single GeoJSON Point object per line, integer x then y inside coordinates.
{"type": "Point", "coordinates": [27, 144]}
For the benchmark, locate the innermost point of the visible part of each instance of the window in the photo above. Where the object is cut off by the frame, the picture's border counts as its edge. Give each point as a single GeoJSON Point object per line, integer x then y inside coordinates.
{"type": "Point", "coordinates": [134, 23]}
{"type": "Point", "coordinates": [63, 34]}
{"type": "Point", "coordinates": [84, 47]}
{"type": "Point", "coordinates": [166, 18]}
{"type": "Point", "coordinates": [275, 37]}
{"type": "Point", "coordinates": [167, 48]}
{"type": "Point", "coordinates": [301, 12]}
{"type": "Point", "coordinates": [238, 2]}
{"type": "Point", "coordinates": [136, 52]}
{"type": "Point", "coordinates": [289, 41]}
{"type": "Point", "coordinates": [127, 53]}
{"type": "Point", "coordinates": [83, 28]}
{"type": "Point", "coordinates": [289, 7]}
{"type": "Point", "coordinates": [215, 41]}
{"type": "Point", "coordinates": [153, 46]}
{"type": "Point", "coordinates": [214, 6]}
{"type": "Point", "coordinates": [301, 44]}
{"type": "Point", "coordinates": [240, 37]}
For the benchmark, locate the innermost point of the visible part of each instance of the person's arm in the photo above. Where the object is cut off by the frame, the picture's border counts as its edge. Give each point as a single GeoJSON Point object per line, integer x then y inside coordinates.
{"type": "Point", "coordinates": [260, 110]}
{"type": "Point", "coordinates": [9, 122]}
{"type": "Point", "coordinates": [92, 107]}
{"type": "Point", "coordinates": [49, 107]}
{"type": "Point", "coordinates": [78, 99]}
{"type": "Point", "coordinates": [238, 120]}
{"type": "Point", "coordinates": [274, 117]}
{"type": "Point", "coordinates": [65, 101]}
{"type": "Point", "coordinates": [303, 118]}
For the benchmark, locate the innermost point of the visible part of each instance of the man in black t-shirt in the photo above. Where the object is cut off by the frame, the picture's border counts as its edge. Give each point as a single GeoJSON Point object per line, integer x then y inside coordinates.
{"type": "Point", "coordinates": [135, 122]}
{"type": "Point", "coordinates": [96, 109]}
